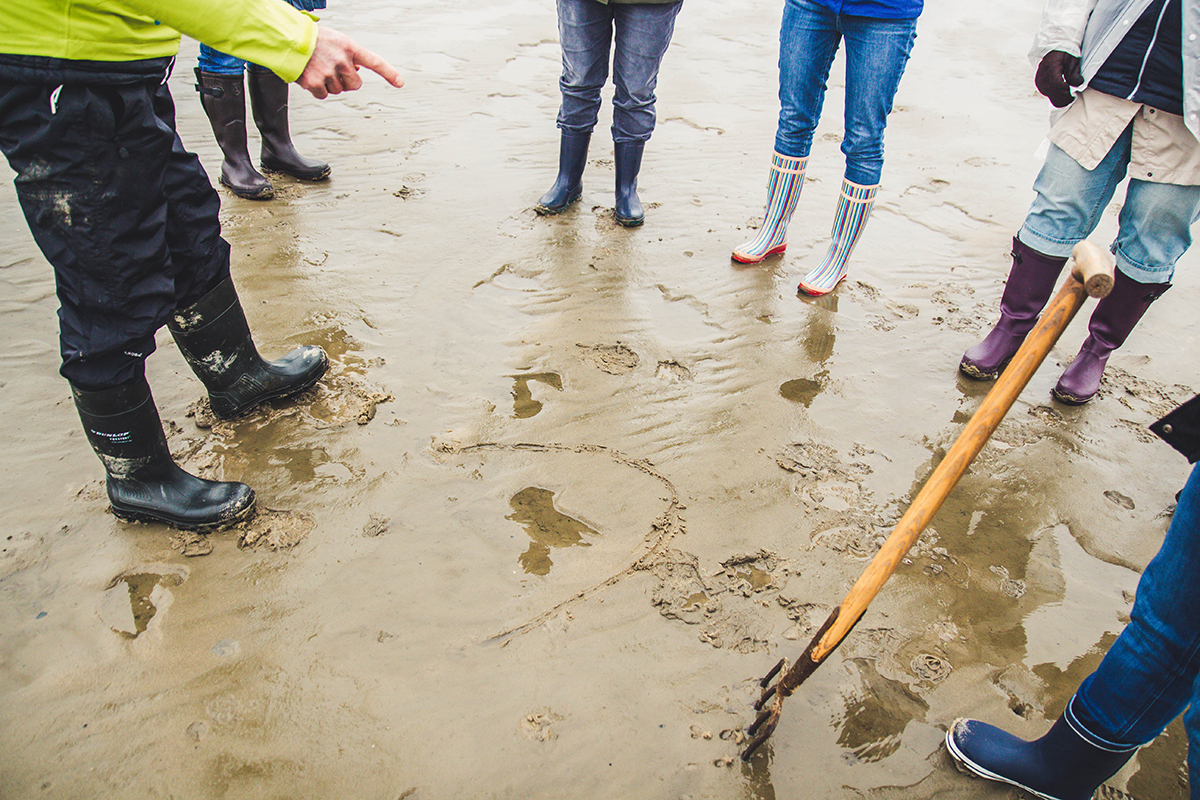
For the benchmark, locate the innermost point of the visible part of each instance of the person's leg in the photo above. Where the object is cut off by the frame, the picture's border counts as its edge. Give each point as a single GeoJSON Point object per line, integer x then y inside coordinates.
{"type": "Point", "coordinates": [585, 33]}
{"type": "Point", "coordinates": [269, 103]}
{"type": "Point", "coordinates": [1147, 677]}
{"type": "Point", "coordinates": [1191, 723]}
{"type": "Point", "coordinates": [207, 321]}
{"type": "Point", "coordinates": [1069, 201]}
{"type": "Point", "coordinates": [808, 41]}
{"type": "Point", "coordinates": [877, 51]}
{"type": "Point", "coordinates": [1145, 680]}
{"type": "Point", "coordinates": [642, 35]}
{"type": "Point", "coordinates": [91, 163]}
{"type": "Point", "coordinates": [1155, 231]}
{"type": "Point", "coordinates": [222, 94]}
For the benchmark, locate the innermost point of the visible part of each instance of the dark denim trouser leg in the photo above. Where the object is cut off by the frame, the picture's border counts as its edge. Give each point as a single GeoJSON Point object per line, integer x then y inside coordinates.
{"type": "Point", "coordinates": [1149, 675]}
{"type": "Point", "coordinates": [585, 30]}
{"type": "Point", "coordinates": [643, 33]}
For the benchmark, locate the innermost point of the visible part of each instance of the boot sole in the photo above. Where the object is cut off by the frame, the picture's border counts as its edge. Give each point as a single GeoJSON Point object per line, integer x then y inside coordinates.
{"type": "Point", "coordinates": [550, 211]}
{"type": "Point", "coordinates": [1069, 399]}
{"type": "Point", "coordinates": [811, 292]}
{"type": "Point", "coordinates": [143, 515]}
{"type": "Point", "coordinates": [302, 176]}
{"type": "Point", "coordinates": [263, 194]}
{"type": "Point", "coordinates": [976, 374]}
{"type": "Point", "coordinates": [742, 258]}
{"type": "Point", "coordinates": [629, 223]}
{"type": "Point", "coordinates": [969, 767]}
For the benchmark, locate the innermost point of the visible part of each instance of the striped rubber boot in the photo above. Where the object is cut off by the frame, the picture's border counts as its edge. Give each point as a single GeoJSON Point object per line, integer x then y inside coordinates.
{"type": "Point", "coordinates": [852, 213]}
{"type": "Point", "coordinates": [783, 190]}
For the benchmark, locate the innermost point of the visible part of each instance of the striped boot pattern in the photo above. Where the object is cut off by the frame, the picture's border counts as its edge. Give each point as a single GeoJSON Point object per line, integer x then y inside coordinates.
{"type": "Point", "coordinates": [853, 210]}
{"type": "Point", "coordinates": [783, 190]}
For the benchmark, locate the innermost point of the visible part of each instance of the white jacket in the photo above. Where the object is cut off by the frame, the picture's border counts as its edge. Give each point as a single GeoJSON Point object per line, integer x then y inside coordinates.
{"type": "Point", "coordinates": [1092, 29]}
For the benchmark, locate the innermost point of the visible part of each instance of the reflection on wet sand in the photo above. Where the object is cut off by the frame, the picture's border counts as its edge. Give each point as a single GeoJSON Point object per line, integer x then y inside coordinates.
{"type": "Point", "coordinates": [524, 406]}
{"type": "Point", "coordinates": [533, 508]}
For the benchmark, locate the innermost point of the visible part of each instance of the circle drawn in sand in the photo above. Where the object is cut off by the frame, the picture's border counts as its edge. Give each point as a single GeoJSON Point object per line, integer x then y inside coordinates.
{"type": "Point", "coordinates": [662, 529]}
{"type": "Point", "coordinates": [615, 359]}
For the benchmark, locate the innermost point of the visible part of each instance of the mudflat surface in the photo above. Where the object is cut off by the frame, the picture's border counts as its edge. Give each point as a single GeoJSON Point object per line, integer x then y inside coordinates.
{"type": "Point", "coordinates": [570, 489]}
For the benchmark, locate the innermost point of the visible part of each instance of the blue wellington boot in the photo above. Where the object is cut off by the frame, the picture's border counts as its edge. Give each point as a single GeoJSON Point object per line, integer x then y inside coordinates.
{"type": "Point", "coordinates": [628, 210]}
{"type": "Point", "coordinates": [1068, 763]}
{"type": "Point", "coordinates": [568, 186]}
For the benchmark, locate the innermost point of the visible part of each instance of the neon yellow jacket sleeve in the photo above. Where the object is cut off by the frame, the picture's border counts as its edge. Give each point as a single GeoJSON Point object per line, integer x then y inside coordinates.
{"type": "Point", "coordinates": [266, 32]}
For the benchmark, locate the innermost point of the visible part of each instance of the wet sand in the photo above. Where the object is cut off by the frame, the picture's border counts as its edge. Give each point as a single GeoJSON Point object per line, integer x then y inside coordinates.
{"type": "Point", "coordinates": [570, 489]}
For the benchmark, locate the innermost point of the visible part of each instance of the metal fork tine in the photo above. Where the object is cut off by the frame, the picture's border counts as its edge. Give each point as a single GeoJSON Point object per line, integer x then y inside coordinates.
{"type": "Point", "coordinates": [774, 671]}
{"type": "Point", "coordinates": [762, 701]}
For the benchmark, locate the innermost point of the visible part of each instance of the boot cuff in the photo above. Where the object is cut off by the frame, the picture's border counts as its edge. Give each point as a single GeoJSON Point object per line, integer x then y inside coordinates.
{"type": "Point", "coordinates": [1071, 716]}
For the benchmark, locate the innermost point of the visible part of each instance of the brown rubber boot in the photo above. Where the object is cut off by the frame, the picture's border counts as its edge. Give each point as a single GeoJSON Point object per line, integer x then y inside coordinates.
{"type": "Point", "coordinates": [269, 101]}
{"type": "Point", "coordinates": [225, 104]}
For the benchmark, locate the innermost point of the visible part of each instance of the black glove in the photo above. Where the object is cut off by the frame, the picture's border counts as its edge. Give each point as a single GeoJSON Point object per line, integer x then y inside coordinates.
{"type": "Point", "coordinates": [1057, 73]}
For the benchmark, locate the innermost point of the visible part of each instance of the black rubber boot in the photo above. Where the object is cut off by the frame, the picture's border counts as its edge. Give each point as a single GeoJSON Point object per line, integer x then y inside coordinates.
{"type": "Point", "coordinates": [628, 210]}
{"type": "Point", "coordinates": [1065, 764]}
{"type": "Point", "coordinates": [144, 482]}
{"type": "Point", "coordinates": [269, 101]}
{"type": "Point", "coordinates": [568, 186]}
{"type": "Point", "coordinates": [225, 104]}
{"type": "Point", "coordinates": [215, 339]}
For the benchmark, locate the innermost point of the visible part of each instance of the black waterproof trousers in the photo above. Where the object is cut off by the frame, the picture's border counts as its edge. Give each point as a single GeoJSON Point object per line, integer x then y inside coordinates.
{"type": "Point", "coordinates": [125, 215]}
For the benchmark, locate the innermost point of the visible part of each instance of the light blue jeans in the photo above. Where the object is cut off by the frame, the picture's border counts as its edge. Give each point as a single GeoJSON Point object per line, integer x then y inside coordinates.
{"type": "Point", "coordinates": [587, 30]}
{"type": "Point", "coordinates": [877, 51]}
{"type": "Point", "coordinates": [1149, 676]}
{"type": "Point", "coordinates": [1155, 221]}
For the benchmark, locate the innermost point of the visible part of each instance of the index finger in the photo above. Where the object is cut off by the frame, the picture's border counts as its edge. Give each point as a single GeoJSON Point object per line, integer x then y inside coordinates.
{"type": "Point", "coordinates": [379, 66]}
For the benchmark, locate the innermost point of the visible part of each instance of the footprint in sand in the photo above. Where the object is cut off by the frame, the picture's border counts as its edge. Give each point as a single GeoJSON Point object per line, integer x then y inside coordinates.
{"type": "Point", "coordinates": [533, 507]}
{"type": "Point", "coordinates": [524, 406]}
{"type": "Point", "coordinates": [133, 598]}
{"type": "Point", "coordinates": [615, 359]}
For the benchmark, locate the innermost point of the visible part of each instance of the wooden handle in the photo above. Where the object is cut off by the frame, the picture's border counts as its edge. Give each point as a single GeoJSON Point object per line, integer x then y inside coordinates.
{"type": "Point", "coordinates": [974, 436]}
{"type": "Point", "coordinates": [1093, 268]}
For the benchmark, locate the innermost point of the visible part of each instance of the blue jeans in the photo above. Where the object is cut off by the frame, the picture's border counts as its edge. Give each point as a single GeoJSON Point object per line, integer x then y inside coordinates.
{"type": "Point", "coordinates": [642, 32]}
{"type": "Point", "coordinates": [876, 52]}
{"type": "Point", "coordinates": [1149, 675]}
{"type": "Point", "coordinates": [1155, 221]}
{"type": "Point", "coordinates": [219, 63]}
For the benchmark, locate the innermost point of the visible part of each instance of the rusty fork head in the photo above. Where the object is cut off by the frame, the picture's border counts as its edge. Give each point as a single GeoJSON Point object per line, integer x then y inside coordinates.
{"type": "Point", "coordinates": [769, 706]}
{"type": "Point", "coordinates": [790, 678]}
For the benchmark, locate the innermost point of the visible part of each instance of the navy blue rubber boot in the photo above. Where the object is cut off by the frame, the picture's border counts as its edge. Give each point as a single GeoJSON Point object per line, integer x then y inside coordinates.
{"type": "Point", "coordinates": [1068, 763]}
{"type": "Point", "coordinates": [568, 186]}
{"type": "Point", "coordinates": [628, 156]}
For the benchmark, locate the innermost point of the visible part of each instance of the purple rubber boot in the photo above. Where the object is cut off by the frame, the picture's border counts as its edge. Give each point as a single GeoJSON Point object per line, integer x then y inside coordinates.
{"type": "Point", "coordinates": [1114, 318]}
{"type": "Point", "coordinates": [1030, 283]}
